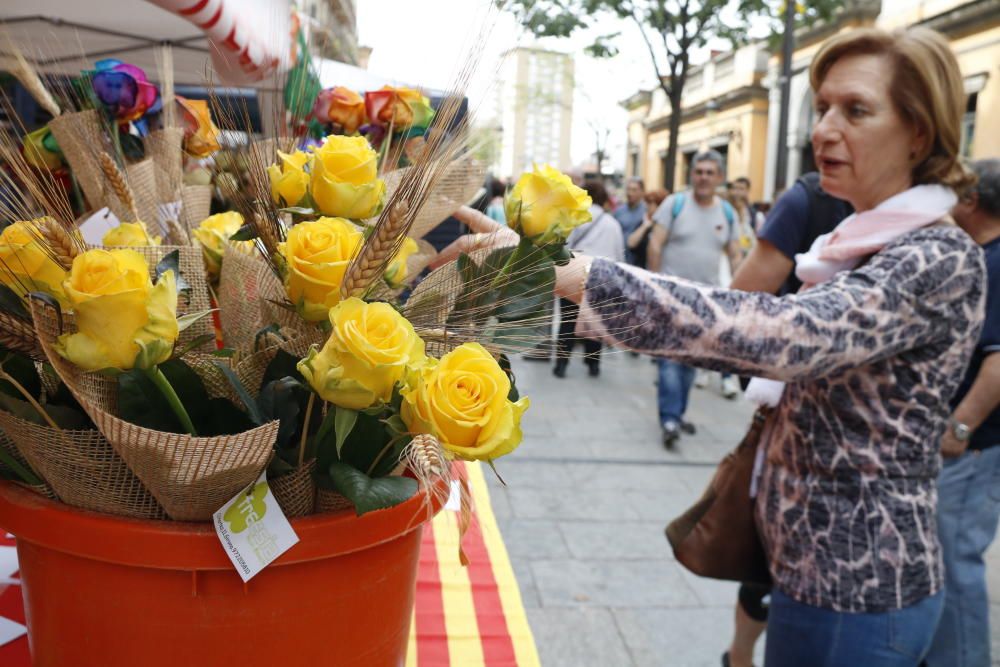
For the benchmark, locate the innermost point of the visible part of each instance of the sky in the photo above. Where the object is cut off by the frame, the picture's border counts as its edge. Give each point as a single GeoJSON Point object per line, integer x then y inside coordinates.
{"type": "Point", "coordinates": [421, 42]}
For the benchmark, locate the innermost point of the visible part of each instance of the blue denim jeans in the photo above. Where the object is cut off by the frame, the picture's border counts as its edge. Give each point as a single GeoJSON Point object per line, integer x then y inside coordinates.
{"type": "Point", "coordinates": [672, 389]}
{"type": "Point", "coordinates": [800, 634]}
{"type": "Point", "coordinates": [968, 509]}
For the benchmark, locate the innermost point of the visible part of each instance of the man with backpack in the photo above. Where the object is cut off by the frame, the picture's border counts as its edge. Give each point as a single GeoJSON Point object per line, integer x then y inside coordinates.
{"type": "Point", "coordinates": [693, 229]}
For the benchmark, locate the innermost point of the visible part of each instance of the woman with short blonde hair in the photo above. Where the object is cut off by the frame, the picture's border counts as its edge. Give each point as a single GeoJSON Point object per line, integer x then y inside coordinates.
{"type": "Point", "coordinates": [859, 365]}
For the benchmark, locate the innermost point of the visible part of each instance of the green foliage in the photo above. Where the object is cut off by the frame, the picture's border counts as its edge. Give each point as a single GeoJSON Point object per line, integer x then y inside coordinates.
{"type": "Point", "coordinates": [171, 262]}
{"type": "Point", "coordinates": [141, 402]}
{"type": "Point", "coordinates": [369, 493]}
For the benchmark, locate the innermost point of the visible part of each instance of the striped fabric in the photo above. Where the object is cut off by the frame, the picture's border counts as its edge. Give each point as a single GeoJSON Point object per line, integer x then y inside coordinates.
{"type": "Point", "coordinates": [463, 617]}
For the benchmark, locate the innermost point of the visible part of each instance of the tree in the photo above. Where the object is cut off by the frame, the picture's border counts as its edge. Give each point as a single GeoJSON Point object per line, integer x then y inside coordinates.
{"type": "Point", "coordinates": [671, 30]}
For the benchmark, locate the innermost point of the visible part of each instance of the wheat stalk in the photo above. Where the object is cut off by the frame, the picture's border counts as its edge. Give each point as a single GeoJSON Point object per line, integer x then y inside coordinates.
{"type": "Point", "coordinates": [377, 252]}
{"type": "Point", "coordinates": [62, 244]}
{"type": "Point", "coordinates": [26, 74]}
{"type": "Point", "coordinates": [118, 183]}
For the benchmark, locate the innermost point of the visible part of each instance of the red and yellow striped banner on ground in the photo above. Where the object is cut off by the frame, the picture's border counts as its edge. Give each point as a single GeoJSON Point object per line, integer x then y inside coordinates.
{"type": "Point", "coordinates": [468, 616]}
{"type": "Point", "coordinates": [463, 617]}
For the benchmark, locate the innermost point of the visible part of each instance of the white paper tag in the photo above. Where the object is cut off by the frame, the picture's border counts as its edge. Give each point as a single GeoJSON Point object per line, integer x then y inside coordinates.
{"type": "Point", "coordinates": [455, 497]}
{"type": "Point", "coordinates": [253, 529]}
{"type": "Point", "coordinates": [96, 226]}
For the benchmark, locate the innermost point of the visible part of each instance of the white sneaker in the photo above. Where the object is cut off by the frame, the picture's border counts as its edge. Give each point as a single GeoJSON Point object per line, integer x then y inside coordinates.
{"type": "Point", "coordinates": [730, 387]}
{"type": "Point", "coordinates": [700, 379]}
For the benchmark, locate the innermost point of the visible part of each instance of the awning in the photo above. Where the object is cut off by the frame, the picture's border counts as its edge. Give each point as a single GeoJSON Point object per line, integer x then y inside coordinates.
{"type": "Point", "coordinates": [220, 36]}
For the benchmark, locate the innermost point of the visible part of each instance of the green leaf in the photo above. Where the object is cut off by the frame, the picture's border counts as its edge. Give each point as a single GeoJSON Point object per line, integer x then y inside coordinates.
{"type": "Point", "coordinates": [64, 417]}
{"type": "Point", "coordinates": [224, 353]}
{"type": "Point", "coordinates": [10, 302]}
{"type": "Point", "coordinates": [283, 365]}
{"type": "Point", "coordinates": [281, 400]}
{"type": "Point", "coordinates": [245, 233]}
{"type": "Point", "coordinates": [343, 425]}
{"type": "Point", "coordinates": [369, 494]}
{"type": "Point", "coordinates": [171, 262]}
{"type": "Point", "coordinates": [260, 337]}
{"type": "Point", "coordinates": [298, 210]}
{"type": "Point", "coordinates": [195, 343]}
{"type": "Point", "coordinates": [23, 473]}
{"type": "Point", "coordinates": [185, 321]}
{"type": "Point", "coordinates": [23, 370]}
{"type": "Point", "coordinates": [150, 353]}
{"type": "Point", "coordinates": [241, 391]}
{"type": "Point", "coordinates": [141, 403]}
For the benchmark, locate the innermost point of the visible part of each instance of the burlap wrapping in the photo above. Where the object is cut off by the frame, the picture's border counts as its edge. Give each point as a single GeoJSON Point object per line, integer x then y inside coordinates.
{"type": "Point", "coordinates": [296, 491]}
{"type": "Point", "coordinates": [191, 477]}
{"type": "Point", "coordinates": [239, 295]}
{"type": "Point", "coordinates": [8, 446]}
{"type": "Point", "coordinates": [165, 147]}
{"type": "Point", "coordinates": [82, 469]}
{"type": "Point", "coordinates": [43, 489]}
{"type": "Point", "coordinates": [328, 500]}
{"type": "Point", "coordinates": [141, 178]}
{"type": "Point", "coordinates": [276, 310]}
{"type": "Point", "coordinates": [457, 186]}
{"type": "Point", "coordinates": [197, 205]}
{"type": "Point", "coordinates": [81, 139]}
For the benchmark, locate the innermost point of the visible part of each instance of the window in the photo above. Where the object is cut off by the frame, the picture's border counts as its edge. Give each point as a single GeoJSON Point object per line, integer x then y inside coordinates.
{"type": "Point", "coordinates": [969, 125]}
{"type": "Point", "coordinates": [633, 162]}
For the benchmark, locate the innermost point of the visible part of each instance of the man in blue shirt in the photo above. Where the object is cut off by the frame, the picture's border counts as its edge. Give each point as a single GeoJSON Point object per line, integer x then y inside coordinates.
{"type": "Point", "coordinates": [630, 214]}
{"type": "Point", "coordinates": [969, 484]}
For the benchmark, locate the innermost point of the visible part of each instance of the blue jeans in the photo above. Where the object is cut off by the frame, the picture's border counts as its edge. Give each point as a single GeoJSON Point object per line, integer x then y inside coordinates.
{"type": "Point", "coordinates": [968, 509]}
{"type": "Point", "coordinates": [799, 635]}
{"type": "Point", "coordinates": [672, 389]}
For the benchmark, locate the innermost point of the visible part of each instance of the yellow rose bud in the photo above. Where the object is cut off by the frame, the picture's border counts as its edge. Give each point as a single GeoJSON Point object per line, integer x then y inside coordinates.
{"type": "Point", "coordinates": [462, 401]}
{"type": "Point", "coordinates": [317, 254]}
{"type": "Point", "coordinates": [129, 235]}
{"type": "Point", "coordinates": [289, 181]}
{"type": "Point", "coordinates": [368, 352]}
{"type": "Point", "coordinates": [119, 312]}
{"type": "Point", "coordinates": [212, 235]}
{"type": "Point", "coordinates": [545, 206]}
{"type": "Point", "coordinates": [395, 273]}
{"type": "Point", "coordinates": [345, 179]}
{"type": "Point", "coordinates": [25, 265]}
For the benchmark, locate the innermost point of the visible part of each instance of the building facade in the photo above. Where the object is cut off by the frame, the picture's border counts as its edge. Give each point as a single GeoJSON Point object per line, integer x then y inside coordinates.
{"type": "Point", "coordinates": [536, 110]}
{"type": "Point", "coordinates": [331, 28]}
{"type": "Point", "coordinates": [732, 103]}
{"type": "Point", "coordinates": [725, 109]}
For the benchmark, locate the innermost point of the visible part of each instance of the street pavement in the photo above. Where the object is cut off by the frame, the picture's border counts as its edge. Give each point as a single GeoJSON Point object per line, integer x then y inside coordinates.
{"type": "Point", "coordinates": [582, 513]}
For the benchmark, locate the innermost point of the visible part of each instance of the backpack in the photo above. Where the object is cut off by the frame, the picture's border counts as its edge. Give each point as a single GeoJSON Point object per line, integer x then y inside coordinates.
{"type": "Point", "coordinates": [680, 200]}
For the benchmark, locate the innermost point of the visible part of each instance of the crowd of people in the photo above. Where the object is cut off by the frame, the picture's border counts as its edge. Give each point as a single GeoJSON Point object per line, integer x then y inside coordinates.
{"type": "Point", "coordinates": [864, 312]}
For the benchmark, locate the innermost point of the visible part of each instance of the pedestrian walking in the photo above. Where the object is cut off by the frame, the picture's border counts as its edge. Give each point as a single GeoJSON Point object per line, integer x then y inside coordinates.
{"type": "Point", "coordinates": [969, 483]}
{"type": "Point", "coordinates": [693, 230]}
{"type": "Point", "coordinates": [631, 214]}
{"type": "Point", "coordinates": [869, 354]}
{"type": "Point", "coordinates": [601, 237]}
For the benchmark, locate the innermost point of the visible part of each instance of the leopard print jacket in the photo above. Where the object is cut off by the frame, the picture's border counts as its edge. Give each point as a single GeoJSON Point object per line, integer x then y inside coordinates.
{"type": "Point", "coordinates": [846, 503]}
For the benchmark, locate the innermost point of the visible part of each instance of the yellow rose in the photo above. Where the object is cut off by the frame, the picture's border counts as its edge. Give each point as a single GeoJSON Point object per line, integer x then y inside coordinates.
{"type": "Point", "coordinates": [546, 205]}
{"type": "Point", "coordinates": [317, 254]}
{"type": "Point", "coordinates": [462, 400]}
{"type": "Point", "coordinates": [119, 312]}
{"type": "Point", "coordinates": [212, 235]}
{"type": "Point", "coordinates": [25, 265]}
{"type": "Point", "coordinates": [289, 181]}
{"type": "Point", "coordinates": [368, 352]}
{"type": "Point", "coordinates": [395, 273]}
{"type": "Point", "coordinates": [345, 179]}
{"type": "Point", "coordinates": [129, 235]}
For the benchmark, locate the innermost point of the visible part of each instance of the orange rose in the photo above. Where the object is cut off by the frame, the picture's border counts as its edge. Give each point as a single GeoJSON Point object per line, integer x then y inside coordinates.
{"type": "Point", "coordinates": [342, 106]}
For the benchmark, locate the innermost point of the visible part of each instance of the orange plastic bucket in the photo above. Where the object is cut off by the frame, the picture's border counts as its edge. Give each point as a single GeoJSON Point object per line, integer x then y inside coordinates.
{"type": "Point", "coordinates": [101, 591]}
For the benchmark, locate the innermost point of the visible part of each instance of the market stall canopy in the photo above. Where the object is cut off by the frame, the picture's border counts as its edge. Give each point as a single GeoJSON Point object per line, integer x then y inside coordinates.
{"type": "Point", "coordinates": [244, 42]}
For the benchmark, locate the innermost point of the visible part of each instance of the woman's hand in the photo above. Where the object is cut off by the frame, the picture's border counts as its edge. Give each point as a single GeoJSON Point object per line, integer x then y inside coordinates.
{"type": "Point", "coordinates": [488, 235]}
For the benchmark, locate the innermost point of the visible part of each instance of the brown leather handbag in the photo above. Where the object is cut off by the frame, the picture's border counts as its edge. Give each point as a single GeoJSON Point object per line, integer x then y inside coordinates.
{"type": "Point", "coordinates": [717, 537]}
